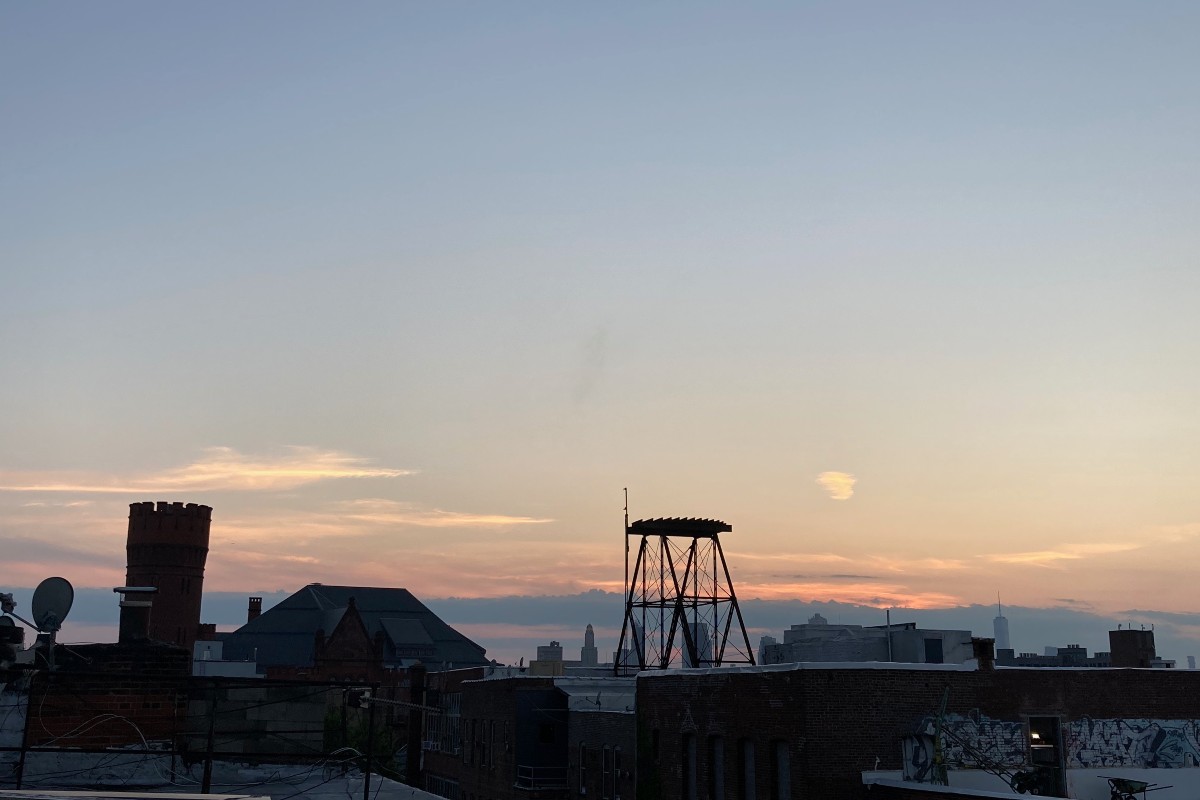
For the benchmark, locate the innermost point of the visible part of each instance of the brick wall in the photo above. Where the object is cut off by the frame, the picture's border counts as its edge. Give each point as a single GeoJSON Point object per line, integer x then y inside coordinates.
{"type": "Point", "coordinates": [605, 744]}
{"type": "Point", "coordinates": [498, 719]}
{"type": "Point", "coordinates": [109, 695]}
{"type": "Point", "coordinates": [818, 729]}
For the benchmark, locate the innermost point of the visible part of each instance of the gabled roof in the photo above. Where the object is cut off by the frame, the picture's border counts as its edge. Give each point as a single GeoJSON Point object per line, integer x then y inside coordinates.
{"type": "Point", "coordinates": [283, 635]}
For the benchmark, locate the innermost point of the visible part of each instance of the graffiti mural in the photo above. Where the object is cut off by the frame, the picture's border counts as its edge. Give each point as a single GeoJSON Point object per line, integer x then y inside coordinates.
{"type": "Point", "coordinates": [1153, 743]}
{"type": "Point", "coordinates": [976, 738]}
{"type": "Point", "coordinates": [973, 740]}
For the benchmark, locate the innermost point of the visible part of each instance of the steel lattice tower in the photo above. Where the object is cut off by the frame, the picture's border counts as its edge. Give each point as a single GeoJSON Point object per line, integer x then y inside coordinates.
{"type": "Point", "coordinates": [680, 605]}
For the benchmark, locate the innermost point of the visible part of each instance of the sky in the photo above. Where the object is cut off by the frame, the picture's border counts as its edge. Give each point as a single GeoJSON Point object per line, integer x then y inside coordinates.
{"type": "Point", "coordinates": [410, 292]}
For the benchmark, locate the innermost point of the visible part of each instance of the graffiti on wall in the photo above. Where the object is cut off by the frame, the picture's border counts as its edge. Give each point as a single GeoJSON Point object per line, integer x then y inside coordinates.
{"type": "Point", "coordinates": [1153, 743]}
{"type": "Point", "coordinates": [974, 740]}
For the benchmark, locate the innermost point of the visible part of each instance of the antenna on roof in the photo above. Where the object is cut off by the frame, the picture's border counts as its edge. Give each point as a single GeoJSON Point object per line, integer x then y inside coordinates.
{"type": "Point", "coordinates": [625, 535]}
{"type": "Point", "coordinates": [999, 610]}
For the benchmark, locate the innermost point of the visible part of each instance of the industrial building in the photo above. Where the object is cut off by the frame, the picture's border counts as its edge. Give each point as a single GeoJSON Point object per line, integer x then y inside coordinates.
{"type": "Point", "coordinates": [818, 640]}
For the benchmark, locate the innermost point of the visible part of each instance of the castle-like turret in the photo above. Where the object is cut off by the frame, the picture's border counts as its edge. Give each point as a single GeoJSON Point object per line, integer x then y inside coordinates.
{"type": "Point", "coordinates": [166, 548]}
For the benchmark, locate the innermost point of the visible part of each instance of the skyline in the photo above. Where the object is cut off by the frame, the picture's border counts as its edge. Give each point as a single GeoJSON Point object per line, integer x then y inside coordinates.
{"type": "Point", "coordinates": [408, 295]}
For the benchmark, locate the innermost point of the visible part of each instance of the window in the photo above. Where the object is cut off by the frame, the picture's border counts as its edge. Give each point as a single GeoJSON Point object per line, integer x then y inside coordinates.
{"type": "Point", "coordinates": [781, 771]}
{"type": "Point", "coordinates": [716, 767]}
{"type": "Point", "coordinates": [746, 769]}
{"type": "Point", "coordinates": [582, 768]}
{"type": "Point", "coordinates": [933, 651]}
{"type": "Point", "coordinates": [617, 773]}
{"type": "Point", "coordinates": [689, 766]}
{"type": "Point", "coordinates": [606, 781]}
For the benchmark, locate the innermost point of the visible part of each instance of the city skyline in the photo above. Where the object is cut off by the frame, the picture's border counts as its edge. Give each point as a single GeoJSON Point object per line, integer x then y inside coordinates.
{"type": "Point", "coordinates": [410, 294]}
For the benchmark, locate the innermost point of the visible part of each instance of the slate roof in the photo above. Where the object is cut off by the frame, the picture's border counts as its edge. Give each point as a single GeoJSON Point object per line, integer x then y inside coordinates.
{"type": "Point", "coordinates": [283, 635]}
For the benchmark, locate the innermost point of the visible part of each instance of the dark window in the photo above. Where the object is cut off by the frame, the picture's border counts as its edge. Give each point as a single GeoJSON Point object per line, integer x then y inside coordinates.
{"type": "Point", "coordinates": [689, 766]}
{"type": "Point", "coordinates": [716, 767]}
{"type": "Point", "coordinates": [606, 777]}
{"type": "Point", "coordinates": [933, 651]}
{"type": "Point", "coordinates": [781, 771]}
{"type": "Point", "coordinates": [582, 768]}
{"type": "Point", "coordinates": [617, 773]}
{"type": "Point", "coordinates": [546, 733]}
{"type": "Point", "coordinates": [746, 769]}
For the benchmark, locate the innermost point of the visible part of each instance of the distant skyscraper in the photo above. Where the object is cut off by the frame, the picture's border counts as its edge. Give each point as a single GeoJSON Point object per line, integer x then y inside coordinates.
{"type": "Point", "coordinates": [704, 646]}
{"type": "Point", "coordinates": [1191, 662]}
{"type": "Point", "coordinates": [588, 657]}
{"type": "Point", "coordinates": [1000, 628]}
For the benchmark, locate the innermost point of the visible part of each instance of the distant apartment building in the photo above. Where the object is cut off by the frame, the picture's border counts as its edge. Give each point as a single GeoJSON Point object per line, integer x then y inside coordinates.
{"type": "Point", "coordinates": [818, 640]}
{"type": "Point", "coordinates": [1073, 655]}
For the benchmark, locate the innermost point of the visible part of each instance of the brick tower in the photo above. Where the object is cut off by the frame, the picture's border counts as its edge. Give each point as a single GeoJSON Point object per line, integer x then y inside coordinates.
{"type": "Point", "coordinates": [167, 548]}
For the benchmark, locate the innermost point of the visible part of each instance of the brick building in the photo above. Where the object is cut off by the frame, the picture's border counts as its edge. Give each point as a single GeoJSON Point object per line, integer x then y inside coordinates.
{"type": "Point", "coordinates": [350, 631]}
{"type": "Point", "coordinates": [518, 736]}
{"type": "Point", "coordinates": [166, 547]}
{"type": "Point", "coordinates": [812, 730]}
{"type": "Point", "coordinates": [109, 695]}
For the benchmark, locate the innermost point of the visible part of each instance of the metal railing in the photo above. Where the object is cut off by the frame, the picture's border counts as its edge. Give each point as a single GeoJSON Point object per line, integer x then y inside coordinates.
{"type": "Point", "coordinates": [541, 777]}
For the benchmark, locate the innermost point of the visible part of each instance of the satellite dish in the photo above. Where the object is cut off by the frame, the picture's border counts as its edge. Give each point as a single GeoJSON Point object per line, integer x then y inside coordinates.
{"type": "Point", "coordinates": [51, 602]}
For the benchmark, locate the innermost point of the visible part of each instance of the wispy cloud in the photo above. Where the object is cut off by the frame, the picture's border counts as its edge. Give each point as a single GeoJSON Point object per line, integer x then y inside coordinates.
{"type": "Point", "coordinates": [390, 512]}
{"type": "Point", "coordinates": [1070, 552]}
{"type": "Point", "coordinates": [839, 485]}
{"type": "Point", "coordinates": [218, 469]}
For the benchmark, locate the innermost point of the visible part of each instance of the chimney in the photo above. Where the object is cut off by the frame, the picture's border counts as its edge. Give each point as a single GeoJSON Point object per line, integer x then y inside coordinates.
{"type": "Point", "coordinates": [254, 609]}
{"type": "Point", "coordinates": [136, 603]}
{"type": "Point", "coordinates": [984, 651]}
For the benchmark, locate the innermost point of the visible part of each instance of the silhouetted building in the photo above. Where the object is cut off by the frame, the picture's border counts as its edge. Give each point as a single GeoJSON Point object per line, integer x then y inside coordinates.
{"type": "Point", "coordinates": [588, 655]}
{"type": "Point", "coordinates": [817, 640]}
{"type": "Point", "coordinates": [825, 730]}
{"type": "Point", "coordinates": [1000, 629]}
{"type": "Point", "coordinates": [1073, 655]}
{"type": "Point", "coordinates": [166, 548]}
{"type": "Point", "coordinates": [350, 630]}
{"type": "Point", "coordinates": [506, 737]}
{"type": "Point", "coordinates": [1132, 648]}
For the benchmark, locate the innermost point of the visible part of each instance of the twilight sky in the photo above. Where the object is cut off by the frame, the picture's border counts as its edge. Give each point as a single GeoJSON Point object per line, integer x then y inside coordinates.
{"type": "Point", "coordinates": [907, 293]}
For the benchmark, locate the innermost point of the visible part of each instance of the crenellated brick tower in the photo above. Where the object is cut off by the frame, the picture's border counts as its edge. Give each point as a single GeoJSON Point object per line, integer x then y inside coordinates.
{"type": "Point", "coordinates": [167, 548]}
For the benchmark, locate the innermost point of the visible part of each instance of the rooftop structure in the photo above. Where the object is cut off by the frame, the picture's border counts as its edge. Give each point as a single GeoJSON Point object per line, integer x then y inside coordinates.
{"type": "Point", "coordinates": [404, 630]}
{"type": "Point", "coordinates": [166, 547]}
{"type": "Point", "coordinates": [680, 587]}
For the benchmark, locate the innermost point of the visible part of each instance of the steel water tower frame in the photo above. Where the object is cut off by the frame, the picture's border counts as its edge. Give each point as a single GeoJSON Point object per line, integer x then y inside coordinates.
{"type": "Point", "coordinates": [680, 605]}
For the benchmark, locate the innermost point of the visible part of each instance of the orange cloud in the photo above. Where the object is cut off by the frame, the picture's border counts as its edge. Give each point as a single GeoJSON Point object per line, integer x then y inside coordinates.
{"type": "Point", "coordinates": [388, 512]}
{"type": "Point", "coordinates": [879, 595]}
{"type": "Point", "coordinates": [219, 469]}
